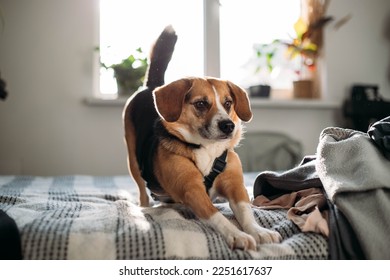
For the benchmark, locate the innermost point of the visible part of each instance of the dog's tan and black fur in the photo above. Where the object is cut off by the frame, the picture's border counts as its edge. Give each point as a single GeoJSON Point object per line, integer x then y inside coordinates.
{"type": "Point", "coordinates": [175, 132]}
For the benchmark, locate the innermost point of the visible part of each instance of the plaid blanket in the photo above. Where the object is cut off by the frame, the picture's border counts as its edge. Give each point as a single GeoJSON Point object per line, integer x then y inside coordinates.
{"type": "Point", "coordinates": [86, 217]}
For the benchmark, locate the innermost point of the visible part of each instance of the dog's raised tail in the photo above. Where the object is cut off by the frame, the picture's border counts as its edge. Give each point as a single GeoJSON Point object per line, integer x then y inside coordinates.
{"type": "Point", "coordinates": [160, 56]}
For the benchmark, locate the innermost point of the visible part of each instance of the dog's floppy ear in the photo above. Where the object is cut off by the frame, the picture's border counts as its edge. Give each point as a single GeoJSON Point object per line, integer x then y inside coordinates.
{"type": "Point", "coordinates": [169, 99]}
{"type": "Point", "coordinates": [241, 102]}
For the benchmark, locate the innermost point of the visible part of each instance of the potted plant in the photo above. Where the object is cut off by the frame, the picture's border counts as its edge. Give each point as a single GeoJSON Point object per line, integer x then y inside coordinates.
{"type": "Point", "coordinates": [130, 72]}
{"type": "Point", "coordinates": [265, 66]}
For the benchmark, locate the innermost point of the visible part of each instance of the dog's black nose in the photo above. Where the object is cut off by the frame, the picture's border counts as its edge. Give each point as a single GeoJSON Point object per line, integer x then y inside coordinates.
{"type": "Point", "coordinates": [226, 126]}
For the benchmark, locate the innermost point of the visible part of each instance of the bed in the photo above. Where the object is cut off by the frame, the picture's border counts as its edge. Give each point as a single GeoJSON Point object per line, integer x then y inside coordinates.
{"type": "Point", "coordinates": [95, 217]}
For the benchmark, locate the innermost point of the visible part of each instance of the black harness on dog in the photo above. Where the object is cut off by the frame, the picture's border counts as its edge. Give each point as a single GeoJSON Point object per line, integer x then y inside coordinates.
{"type": "Point", "coordinates": [218, 166]}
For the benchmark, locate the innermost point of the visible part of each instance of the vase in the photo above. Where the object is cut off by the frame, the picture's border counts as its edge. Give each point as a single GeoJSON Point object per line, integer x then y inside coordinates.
{"type": "Point", "coordinates": [303, 89]}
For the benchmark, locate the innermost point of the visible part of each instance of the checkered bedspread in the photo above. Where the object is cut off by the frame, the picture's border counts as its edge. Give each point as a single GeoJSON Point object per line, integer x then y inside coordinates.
{"type": "Point", "coordinates": [86, 217]}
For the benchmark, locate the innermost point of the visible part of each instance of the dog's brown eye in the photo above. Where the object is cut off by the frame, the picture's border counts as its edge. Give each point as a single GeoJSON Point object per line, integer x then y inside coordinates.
{"type": "Point", "coordinates": [228, 105]}
{"type": "Point", "coordinates": [201, 105]}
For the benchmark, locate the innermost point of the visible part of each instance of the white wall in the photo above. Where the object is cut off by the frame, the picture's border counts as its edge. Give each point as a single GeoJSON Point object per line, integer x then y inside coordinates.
{"type": "Point", "coordinates": [46, 60]}
{"type": "Point", "coordinates": [46, 55]}
{"type": "Point", "coordinates": [358, 52]}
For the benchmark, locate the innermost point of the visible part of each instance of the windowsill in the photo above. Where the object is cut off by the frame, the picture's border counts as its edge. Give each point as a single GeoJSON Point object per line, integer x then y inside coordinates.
{"type": "Point", "coordinates": [101, 101]}
{"type": "Point", "coordinates": [293, 103]}
{"type": "Point", "coordinates": [267, 103]}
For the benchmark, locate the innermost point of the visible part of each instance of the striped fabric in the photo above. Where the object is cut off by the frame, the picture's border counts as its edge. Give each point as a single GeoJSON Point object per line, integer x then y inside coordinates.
{"type": "Point", "coordinates": [86, 217]}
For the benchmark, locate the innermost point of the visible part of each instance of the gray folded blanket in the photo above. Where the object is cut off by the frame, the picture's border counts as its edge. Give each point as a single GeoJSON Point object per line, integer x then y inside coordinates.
{"type": "Point", "coordinates": [356, 177]}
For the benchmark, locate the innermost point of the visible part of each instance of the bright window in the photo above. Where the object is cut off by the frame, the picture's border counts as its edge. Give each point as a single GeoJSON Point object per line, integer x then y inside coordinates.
{"type": "Point", "coordinates": [127, 25]}
{"type": "Point", "coordinates": [246, 23]}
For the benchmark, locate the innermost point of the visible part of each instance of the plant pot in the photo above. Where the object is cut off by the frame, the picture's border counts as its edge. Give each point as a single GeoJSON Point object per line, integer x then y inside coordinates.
{"type": "Point", "coordinates": [125, 91]}
{"type": "Point", "coordinates": [128, 80]}
{"type": "Point", "coordinates": [260, 91]}
{"type": "Point", "coordinates": [303, 89]}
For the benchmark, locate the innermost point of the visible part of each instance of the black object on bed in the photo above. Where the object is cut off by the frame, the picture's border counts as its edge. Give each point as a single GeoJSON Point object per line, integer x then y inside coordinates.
{"type": "Point", "coordinates": [9, 238]}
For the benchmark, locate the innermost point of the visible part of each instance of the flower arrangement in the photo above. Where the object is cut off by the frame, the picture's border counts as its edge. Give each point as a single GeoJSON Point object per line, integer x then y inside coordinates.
{"type": "Point", "coordinates": [303, 47]}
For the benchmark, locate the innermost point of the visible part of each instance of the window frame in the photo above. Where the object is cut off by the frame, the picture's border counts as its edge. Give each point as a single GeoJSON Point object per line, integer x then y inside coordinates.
{"type": "Point", "coordinates": [212, 58]}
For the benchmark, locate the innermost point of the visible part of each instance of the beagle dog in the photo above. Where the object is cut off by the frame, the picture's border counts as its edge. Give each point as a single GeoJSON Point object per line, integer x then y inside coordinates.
{"type": "Point", "coordinates": [180, 139]}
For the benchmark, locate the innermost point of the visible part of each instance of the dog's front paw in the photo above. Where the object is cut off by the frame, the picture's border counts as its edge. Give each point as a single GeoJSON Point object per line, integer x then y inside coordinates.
{"type": "Point", "coordinates": [263, 235]}
{"type": "Point", "coordinates": [241, 240]}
